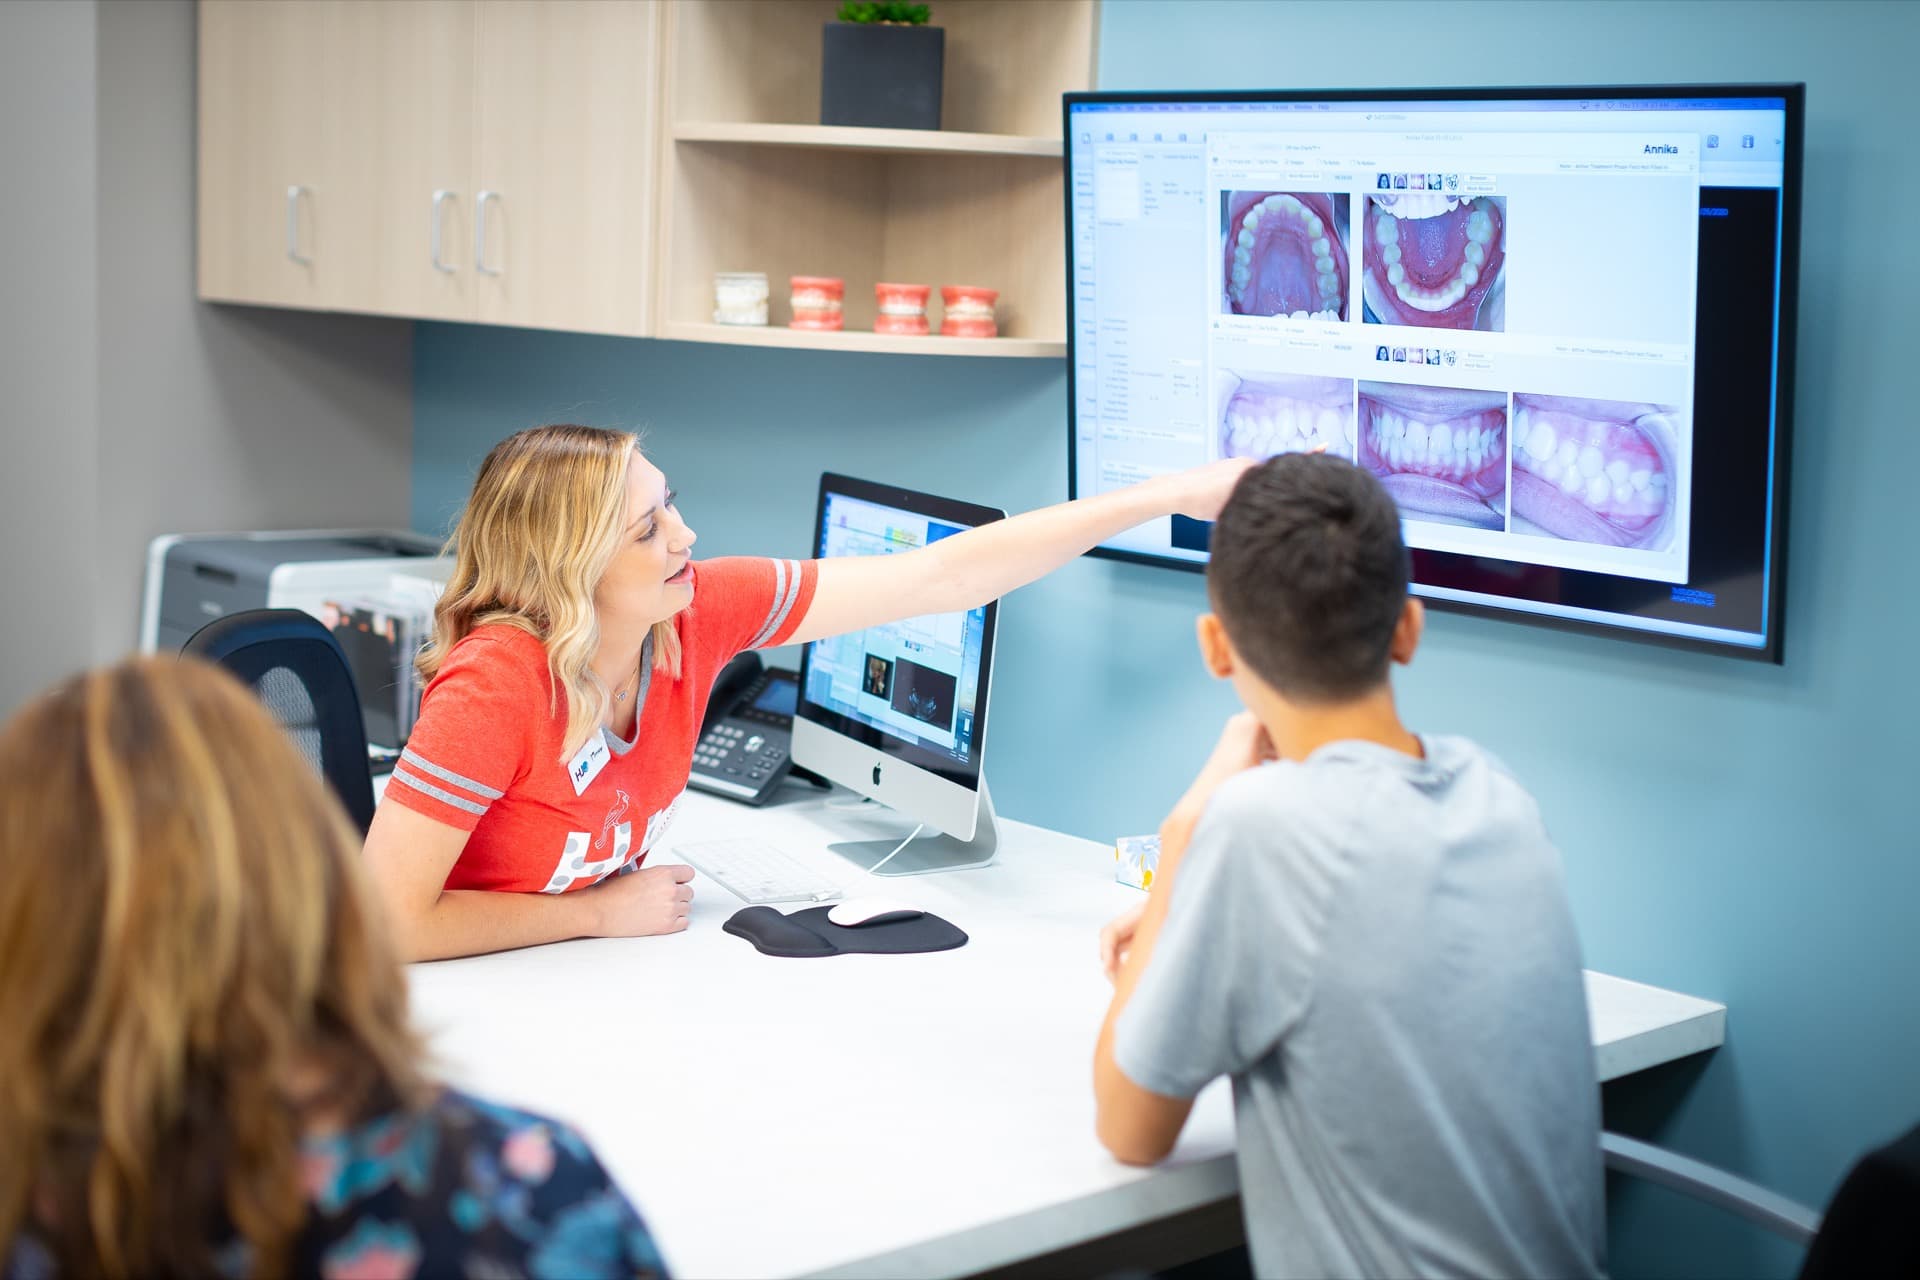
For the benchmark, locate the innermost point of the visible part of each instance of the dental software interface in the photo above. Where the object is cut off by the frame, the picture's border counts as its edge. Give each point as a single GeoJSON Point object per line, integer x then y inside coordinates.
{"type": "Point", "coordinates": [1494, 306]}
{"type": "Point", "coordinates": [915, 680]}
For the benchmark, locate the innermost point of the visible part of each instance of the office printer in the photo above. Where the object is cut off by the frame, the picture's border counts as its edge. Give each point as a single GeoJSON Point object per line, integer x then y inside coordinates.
{"type": "Point", "coordinates": [374, 588]}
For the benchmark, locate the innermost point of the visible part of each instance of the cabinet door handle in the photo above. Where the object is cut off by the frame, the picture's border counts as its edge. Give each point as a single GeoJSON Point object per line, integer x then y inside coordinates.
{"type": "Point", "coordinates": [480, 234]}
{"type": "Point", "coordinates": [293, 224]}
{"type": "Point", "coordinates": [439, 199]}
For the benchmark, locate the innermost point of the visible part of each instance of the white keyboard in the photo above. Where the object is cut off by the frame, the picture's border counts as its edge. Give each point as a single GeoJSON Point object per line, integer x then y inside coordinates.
{"type": "Point", "coordinates": [755, 871]}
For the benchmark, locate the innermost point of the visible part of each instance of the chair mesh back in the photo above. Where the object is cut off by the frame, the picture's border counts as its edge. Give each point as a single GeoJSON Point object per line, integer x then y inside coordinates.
{"type": "Point", "coordinates": [295, 667]}
{"type": "Point", "coordinates": [280, 689]}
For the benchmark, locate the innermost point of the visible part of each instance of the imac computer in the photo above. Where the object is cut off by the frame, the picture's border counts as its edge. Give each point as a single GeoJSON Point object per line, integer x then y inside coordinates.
{"type": "Point", "coordinates": [1558, 324]}
{"type": "Point", "coordinates": [898, 712]}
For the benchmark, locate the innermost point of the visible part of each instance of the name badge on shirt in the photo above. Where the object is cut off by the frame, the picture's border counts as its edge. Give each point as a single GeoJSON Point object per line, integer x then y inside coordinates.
{"type": "Point", "coordinates": [587, 763]}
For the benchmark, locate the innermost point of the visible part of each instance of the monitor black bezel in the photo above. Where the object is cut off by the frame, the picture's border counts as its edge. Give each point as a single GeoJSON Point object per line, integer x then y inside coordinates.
{"type": "Point", "coordinates": [933, 507]}
{"type": "Point", "coordinates": [1793, 94]}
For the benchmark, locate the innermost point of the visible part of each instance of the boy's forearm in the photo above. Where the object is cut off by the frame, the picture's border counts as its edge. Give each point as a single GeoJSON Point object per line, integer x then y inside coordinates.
{"type": "Point", "coordinates": [1136, 1126]}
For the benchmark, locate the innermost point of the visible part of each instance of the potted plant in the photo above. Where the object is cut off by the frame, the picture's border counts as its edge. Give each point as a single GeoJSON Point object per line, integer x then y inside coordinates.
{"type": "Point", "coordinates": [880, 66]}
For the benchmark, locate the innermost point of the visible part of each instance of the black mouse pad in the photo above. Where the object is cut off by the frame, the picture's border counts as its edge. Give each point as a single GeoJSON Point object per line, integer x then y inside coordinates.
{"type": "Point", "coordinates": [810, 933]}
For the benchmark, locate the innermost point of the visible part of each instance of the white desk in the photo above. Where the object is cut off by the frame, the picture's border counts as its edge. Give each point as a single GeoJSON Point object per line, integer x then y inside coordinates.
{"type": "Point", "coordinates": [871, 1115]}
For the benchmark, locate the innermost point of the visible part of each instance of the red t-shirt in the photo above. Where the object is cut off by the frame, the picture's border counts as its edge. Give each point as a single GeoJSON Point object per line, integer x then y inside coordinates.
{"type": "Point", "coordinates": [485, 754]}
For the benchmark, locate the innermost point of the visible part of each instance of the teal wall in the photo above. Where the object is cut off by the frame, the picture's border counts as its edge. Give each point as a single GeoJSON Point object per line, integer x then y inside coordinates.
{"type": "Point", "coordinates": [1742, 832]}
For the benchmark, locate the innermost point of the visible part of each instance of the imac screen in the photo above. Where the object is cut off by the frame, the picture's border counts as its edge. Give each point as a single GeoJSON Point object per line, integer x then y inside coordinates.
{"type": "Point", "coordinates": [1556, 323]}
{"type": "Point", "coordinates": [911, 688]}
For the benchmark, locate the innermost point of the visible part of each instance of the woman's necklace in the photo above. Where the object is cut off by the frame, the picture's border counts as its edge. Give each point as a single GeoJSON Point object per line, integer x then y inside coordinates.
{"type": "Point", "coordinates": [621, 694]}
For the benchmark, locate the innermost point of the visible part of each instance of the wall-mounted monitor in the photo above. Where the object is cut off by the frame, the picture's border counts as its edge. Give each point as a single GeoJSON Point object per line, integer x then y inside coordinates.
{"type": "Point", "coordinates": [1557, 323]}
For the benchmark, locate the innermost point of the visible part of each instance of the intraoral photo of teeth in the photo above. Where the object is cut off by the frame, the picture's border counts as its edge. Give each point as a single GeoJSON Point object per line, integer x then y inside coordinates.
{"type": "Point", "coordinates": [1284, 253]}
{"type": "Point", "coordinates": [1441, 452]}
{"type": "Point", "coordinates": [1599, 471]}
{"type": "Point", "coordinates": [1272, 413]}
{"type": "Point", "coordinates": [1434, 260]}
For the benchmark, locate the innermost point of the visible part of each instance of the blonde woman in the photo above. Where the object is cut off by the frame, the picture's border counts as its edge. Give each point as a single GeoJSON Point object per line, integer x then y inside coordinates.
{"type": "Point", "coordinates": [571, 660]}
{"type": "Point", "coordinates": [205, 1061]}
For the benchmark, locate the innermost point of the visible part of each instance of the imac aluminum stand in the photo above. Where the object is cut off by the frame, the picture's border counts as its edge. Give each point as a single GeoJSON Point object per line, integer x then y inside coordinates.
{"type": "Point", "coordinates": [926, 854]}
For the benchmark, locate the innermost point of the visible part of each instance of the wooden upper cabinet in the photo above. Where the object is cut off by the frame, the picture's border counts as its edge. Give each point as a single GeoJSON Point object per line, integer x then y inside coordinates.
{"type": "Point", "coordinates": [404, 93]}
{"type": "Point", "coordinates": [345, 145]}
{"type": "Point", "coordinates": [268, 193]}
{"type": "Point", "coordinates": [564, 106]}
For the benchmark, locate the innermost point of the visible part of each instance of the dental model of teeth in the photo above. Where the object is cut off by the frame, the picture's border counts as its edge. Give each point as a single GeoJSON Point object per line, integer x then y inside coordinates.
{"type": "Point", "coordinates": [1259, 427]}
{"type": "Point", "coordinates": [901, 308]}
{"type": "Point", "coordinates": [1294, 214]}
{"type": "Point", "coordinates": [967, 311]}
{"type": "Point", "coordinates": [1386, 230]}
{"type": "Point", "coordinates": [740, 297]}
{"type": "Point", "coordinates": [1454, 450]}
{"type": "Point", "coordinates": [817, 302]}
{"type": "Point", "coordinates": [1623, 484]}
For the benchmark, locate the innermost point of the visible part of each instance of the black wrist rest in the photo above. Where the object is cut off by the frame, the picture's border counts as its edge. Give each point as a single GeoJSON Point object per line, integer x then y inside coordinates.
{"type": "Point", "coordinates": [810, 933]}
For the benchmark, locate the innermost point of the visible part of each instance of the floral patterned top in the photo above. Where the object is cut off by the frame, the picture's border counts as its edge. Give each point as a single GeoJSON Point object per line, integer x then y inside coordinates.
{"type": "Point", "coordinates": [466, 1188]}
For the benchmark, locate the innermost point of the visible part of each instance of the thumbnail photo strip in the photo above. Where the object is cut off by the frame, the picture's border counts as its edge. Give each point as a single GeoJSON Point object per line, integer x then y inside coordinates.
{"type": "Point", "coordinates": [1284, 253]}
{"type": "Point", "coordinates": [1440, 451]}
{"type": "Point", "coordinates": [1434, 261]}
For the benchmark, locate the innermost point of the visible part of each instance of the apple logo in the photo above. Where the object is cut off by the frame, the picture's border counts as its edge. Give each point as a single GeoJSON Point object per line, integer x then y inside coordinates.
{"type": "Point", "coordinates": [876, 775]}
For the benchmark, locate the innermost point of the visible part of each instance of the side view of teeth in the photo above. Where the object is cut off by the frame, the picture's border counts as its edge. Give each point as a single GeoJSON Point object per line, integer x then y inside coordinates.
{"type": "Point", "coordinates": [1286, 206]}
{"type": "Point", "coordinates": [1455, 449]}
{"type": "Point", "coordinates": [1386, 230]}
{"type": "Point", "coordinates": [1261, 428]}
{"type": "Point", "coordinates": [1621, 484]}
{"type": "Point", "coordinates": [1417, 204]}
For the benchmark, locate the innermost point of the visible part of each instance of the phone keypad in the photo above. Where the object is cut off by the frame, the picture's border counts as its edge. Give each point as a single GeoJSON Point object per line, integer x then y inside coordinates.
{"type": "Point", "coordinates": [716, 745]}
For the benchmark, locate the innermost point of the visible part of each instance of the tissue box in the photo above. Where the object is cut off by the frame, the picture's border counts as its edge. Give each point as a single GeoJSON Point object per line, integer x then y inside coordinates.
{"type": "Point", "coordinates": [1135, 859]}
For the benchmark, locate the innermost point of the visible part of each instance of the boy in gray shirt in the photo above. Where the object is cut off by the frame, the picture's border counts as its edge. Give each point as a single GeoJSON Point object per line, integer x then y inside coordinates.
{"type": "Point", "coordinates": [1366, 929]}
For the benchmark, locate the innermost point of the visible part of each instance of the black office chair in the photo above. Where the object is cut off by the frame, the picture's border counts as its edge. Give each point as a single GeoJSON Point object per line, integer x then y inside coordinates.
{"type": "Point", "coordinates": [294, 665]}
{"type": "Point", "coordinates": [1869, 1228]}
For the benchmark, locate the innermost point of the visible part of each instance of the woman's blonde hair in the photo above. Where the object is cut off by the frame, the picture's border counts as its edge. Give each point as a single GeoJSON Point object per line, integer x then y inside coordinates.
{"type": "Point", "coordinates": [184, 938]}
{"type": "Point", "coordinates": [548, 510]}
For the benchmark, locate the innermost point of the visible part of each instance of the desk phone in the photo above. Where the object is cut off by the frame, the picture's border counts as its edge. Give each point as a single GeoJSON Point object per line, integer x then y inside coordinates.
{"type": "Point", "coordinates": [743, 751]}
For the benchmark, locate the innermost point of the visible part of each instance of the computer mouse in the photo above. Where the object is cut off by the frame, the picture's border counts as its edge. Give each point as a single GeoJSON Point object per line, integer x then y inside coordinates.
{"type": "Point", "coordinates": [859, 911]}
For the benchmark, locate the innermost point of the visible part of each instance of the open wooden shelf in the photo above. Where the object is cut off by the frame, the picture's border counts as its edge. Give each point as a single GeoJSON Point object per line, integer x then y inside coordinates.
{"type": "Point", "coordinates": [751, 182]}
{"type": "Point", "coordinates": [822, 137]}
{"type": "Point", "coordinates": [856, 340]}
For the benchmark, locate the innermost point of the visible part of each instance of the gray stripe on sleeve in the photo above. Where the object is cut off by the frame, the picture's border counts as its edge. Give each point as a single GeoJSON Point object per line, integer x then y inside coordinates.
{"type": "Point", "coordinates": [410, 756]}
{"type": "Point", "coordinates": [426, 788]}
{"type": "Point", "coordinates": [779, 594]}
{"type": "Point", "coordinates": [784, 605]}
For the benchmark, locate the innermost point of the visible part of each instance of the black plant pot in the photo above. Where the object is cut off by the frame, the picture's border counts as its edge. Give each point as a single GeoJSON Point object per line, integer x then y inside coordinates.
{"type": "Point", "coordinates": [881, 75]}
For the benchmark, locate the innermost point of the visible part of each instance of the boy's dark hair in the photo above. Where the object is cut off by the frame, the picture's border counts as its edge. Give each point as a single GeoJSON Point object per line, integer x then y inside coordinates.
{"type": "Point", "coordinates": [1309, 576]}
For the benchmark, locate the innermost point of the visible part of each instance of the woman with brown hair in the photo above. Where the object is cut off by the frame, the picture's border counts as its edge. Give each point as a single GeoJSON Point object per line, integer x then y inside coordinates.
{"type": "Point", "coordinates": [206, 1065]}
{"type": "Point", "coordinates": [572, 657]}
